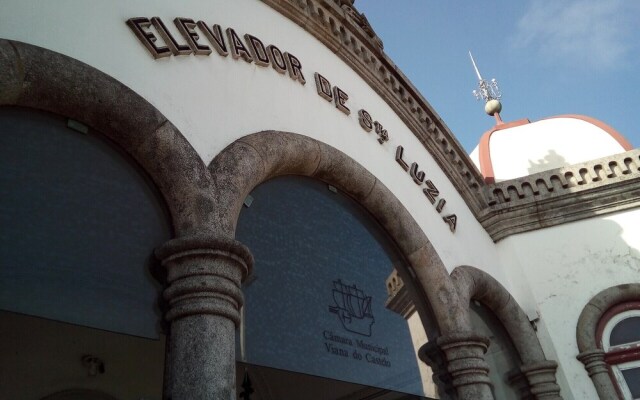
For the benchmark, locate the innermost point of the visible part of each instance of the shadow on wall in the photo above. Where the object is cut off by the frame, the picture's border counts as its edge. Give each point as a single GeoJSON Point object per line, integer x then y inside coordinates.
{"type": "Point", "coordinates": [575, 262]}
{"type": "Point", "coordinates": [590, 255]}
{"type": "Point", "coordinates": [550, 161]}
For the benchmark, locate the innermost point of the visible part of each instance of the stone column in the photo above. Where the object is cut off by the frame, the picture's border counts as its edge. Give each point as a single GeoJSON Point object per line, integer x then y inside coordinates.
{"type": "Point", "coordinates": [431, 355]}
{"type": "Point", "coordinates": [204, 275]}
{"type": "Point", "coordinates": [542, 379]}
{"type": "Point", "coordinates": [598, 370]}
{"type": "Point", "coordinates": [518, 381]}
{"type": "Point", "coordinates": [464, 352]}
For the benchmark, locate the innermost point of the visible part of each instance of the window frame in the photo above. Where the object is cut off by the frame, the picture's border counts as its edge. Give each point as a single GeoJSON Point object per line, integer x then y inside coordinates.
{"type": "Point", "coordinates": [619, 357]}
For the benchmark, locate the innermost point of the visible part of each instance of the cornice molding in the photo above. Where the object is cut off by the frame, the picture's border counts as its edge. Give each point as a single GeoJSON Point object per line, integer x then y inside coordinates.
{"type": "Point", "coordinates": [346, 32]}
{"type": "Point", "coordinates": [561, 195]}
{"type": "Point", "coordinates": [533, 202]}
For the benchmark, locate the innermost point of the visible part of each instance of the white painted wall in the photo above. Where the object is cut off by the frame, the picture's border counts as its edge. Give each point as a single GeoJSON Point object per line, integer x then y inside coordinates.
{"type": "Point", "coordinates": [566, 266]}
{"type": "Point", "coordinates": [546, 144]}
{"type": "Point", "coordinates": [215, 100]}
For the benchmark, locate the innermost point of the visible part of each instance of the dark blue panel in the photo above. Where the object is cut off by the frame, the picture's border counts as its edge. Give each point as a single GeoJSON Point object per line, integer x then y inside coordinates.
{"type": "Point", "coordinates": [316, 301]}
{"type": "Point", "coordinates": [632, 378]}
{"type": "Point", "coordinates": [626, 331]}
{"type": "Point", "coordinates": [78, 225]}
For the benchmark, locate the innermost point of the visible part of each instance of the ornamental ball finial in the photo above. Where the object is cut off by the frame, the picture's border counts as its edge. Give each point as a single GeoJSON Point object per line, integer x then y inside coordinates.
{"type": "Point", "coordinates": [492, 106]}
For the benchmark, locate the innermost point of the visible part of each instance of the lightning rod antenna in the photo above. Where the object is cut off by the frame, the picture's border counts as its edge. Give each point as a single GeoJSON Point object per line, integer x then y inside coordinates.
{"type": "Point", "coordinates": [489, 92]}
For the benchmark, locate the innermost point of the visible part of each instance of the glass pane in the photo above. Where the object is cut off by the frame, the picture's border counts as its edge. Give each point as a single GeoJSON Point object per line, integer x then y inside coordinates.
{"type": "Point", "coordinates": [316, 301]}
{"type": "Point", "coordinates": [270, 383]}
{"type": "Point", "coordinates": [78, 224]}
{"type": "Point", "coordinates": [632, 378]}
{"type": "Point", "coordinates": [41, 357]}
{"type": "Point", "coordinates": [626, 331]}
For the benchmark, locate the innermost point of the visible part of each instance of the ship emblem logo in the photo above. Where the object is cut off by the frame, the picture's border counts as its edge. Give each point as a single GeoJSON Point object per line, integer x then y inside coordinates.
{"type": "Point", "coordinates": [353, 308]}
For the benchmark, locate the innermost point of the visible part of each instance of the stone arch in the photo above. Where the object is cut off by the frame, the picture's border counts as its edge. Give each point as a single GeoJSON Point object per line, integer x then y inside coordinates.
{"type": "Point", "coordinates": [258, 157]}
{"type": "Point", "coordinates": [591, 354]}
{"type": "Point", "coordinates": [38, 78]}
{"type": "Point", "coordinates": [475, 284]}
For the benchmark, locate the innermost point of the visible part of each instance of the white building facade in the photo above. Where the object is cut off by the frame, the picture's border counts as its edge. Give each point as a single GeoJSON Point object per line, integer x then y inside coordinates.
{"type": "Point", "coordinates": [167, 162]}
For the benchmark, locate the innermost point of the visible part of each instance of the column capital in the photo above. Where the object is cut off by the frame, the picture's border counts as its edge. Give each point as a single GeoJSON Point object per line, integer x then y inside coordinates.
{"type": "Point", "coordinates": [464, 352]}
{"type": "Point", "coordinates": [598, 370]}
{"type": "Point", "coordinates": [204, 274]}
{"type": "Point", "coordinates": [518, 381]}
{"type": "Point", "coordinates": [541, 376]}
{"type": "Point", "coordinates": [593, 361]}
{"type": "Point", "coordinates": [205, 243]}
{"type": "Point", "coordinates": [430, 354]}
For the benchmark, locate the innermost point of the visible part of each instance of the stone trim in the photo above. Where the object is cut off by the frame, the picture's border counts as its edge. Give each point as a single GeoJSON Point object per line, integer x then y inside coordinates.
{"type": "Point", "coordinates": [561, 195]}
{"type": "Point", "coordinates": [38, 78]}
{"type": "Point", "coordinates": [194, 289]}
{"type": "Point", "coordinates": [204, 295]}
{"type": "Point", "coordinates": [469, 372]}
{"type": "Point", "coordinates": [337, 28]}
{"type": "Point", "coordinates": [204, 273]}
{"type": "Point", "coordinates": [475, 284]}
{"type": "Point", "coordinates": [597, 307]}
{"type": "Point", "coordinates": [591, 354]}
{"type": "Point", "coordinates": [541, 377]}
{"type": "Point", "coordinates": [341, 28]}
{"type": "Point", "coordinates": [433, 356]}
{"type": "Point", "coordinates": [398, 299]}
{"type": "Point", "coordinates": [256, 158]}
{"type": "Point", "coordinates": [484, 148]}
{"type": "Point", "coordinates": [259, 157]}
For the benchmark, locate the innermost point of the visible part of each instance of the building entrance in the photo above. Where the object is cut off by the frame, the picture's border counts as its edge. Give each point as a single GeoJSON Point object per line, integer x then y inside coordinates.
{"type": "Point", "coordinates": [316, 319]}
{"type": "Point", "coordinates": [263, 383]}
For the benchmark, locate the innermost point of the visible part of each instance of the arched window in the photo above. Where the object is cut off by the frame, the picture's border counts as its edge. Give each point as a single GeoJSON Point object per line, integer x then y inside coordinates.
{"type": "Point", "coordinates": [315, 321]}
{"type": "Point", "coordinates": [608, 336]}
{"type": "Point", "coordinates": [501, 356]}
{"type": "Point", "coordinates": [619, 336]}
{"type": "Point", "coordinates": [79, 221]}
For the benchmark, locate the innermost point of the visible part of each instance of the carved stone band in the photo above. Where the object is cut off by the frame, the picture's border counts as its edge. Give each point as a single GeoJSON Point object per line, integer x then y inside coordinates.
{"type": "Point", "coordinates": [593, 361]}
{"type": "Point", "coordinates": [465, 358]}
{"type": "Point", "coordinates": [204, 275]}
{"type": "Point", "coordinates": [542, 379]}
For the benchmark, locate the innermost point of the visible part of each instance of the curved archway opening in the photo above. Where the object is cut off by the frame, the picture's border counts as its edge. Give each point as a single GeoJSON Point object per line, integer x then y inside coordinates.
{"type": "Point", "coordinates": [79, 224]}
{"type": "Point", "coordinates": [317, 302]}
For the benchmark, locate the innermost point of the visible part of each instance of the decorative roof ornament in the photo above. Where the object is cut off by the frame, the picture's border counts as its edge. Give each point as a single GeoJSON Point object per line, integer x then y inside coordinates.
{"type": "Point", "coordinates": [359, 20]}
{"type": "Point", "coordinates": [489, 92]}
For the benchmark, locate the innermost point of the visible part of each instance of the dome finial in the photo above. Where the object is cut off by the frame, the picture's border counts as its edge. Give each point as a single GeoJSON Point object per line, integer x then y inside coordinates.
{"type": "Point", "coordinates": [489, 92]}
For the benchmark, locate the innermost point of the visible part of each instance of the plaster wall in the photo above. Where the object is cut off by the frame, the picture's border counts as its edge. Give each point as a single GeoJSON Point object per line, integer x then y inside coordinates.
{"type": "Point", "coordinates": [215, 100]}
{"type": "Point", "coordinates": [418, 339]}
{"type": "Point", "coordinates": [566, 266]}
{"type": "Point", "coordinates": [546, 144]}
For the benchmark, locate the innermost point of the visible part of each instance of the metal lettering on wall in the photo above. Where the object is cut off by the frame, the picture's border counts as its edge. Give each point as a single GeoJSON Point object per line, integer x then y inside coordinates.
{"type": "Point", "coordinates": [253, 50]}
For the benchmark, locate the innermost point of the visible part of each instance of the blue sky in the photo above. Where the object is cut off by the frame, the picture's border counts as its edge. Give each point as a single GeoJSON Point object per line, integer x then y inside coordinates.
{"type": "Point", "coordinates": [550, 58]}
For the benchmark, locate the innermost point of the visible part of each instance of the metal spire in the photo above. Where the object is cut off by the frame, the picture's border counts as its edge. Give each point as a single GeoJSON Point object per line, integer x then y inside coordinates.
{"type": "Point", "coordinates": [487, 90]}
{"type": "Point", "coordinates": [475, 66]}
